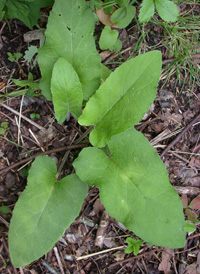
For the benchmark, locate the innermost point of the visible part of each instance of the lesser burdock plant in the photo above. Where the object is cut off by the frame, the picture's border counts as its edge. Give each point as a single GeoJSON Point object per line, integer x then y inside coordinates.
{"type": "Point", "coordinates": [133, 182]}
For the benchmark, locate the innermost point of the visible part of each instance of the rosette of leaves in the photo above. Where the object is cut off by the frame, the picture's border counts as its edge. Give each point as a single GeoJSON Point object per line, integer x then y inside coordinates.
{"type": "Point", "coordinates": [133, 181]}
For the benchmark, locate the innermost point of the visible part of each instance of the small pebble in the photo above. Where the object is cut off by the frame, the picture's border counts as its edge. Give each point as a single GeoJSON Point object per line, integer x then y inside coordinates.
{"type": "Point", "coordinates": [3, 191]}
{"type": "Point", "coordinates": [10, 156]}
{"type": "Point", "coordinates": [10, 180]}
{"type": "Point", "coordinates": [71, 238]}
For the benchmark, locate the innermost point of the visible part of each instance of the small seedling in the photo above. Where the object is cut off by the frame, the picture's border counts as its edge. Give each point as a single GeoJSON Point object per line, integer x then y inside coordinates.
{"type": "Point", "coordinates": [3, 127]}
{"type": "Point", "coordinates": [30, 85]}
{"type": "Point", "coordinates": [133, 245]}
{"type": "Point", "coordinates": [30, 54]}
{"type": "Point", "coordinates": [24, 83]}
{"type": "Point", "coordinates": [12, 57]}
{"type": "Point", "coordinates": [108, 39]}
{"type": "Point", "coordinates": [34, 116]}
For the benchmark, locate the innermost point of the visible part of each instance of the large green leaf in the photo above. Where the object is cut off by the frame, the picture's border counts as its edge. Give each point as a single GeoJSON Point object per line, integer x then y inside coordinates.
{"type": "Point", "coordinates": [2, 12]}
{"type": "Point", "coordinates": [19, 10]}
{"type": "Point", "coordinates": [167, 10]}
{"type": "Point", "coordinates": [146, 11]}
{"type": "Point", "coordinates": [28, 11]}
{"type": "Point", "coordinates": [2, 4]}
{"type": "Point", "coordinates": [135, 189]}
{"type": "Point", "coordinates": [123, 99]}
{"type": "Point", "coordinates": [66, 90]}
{"type": "Point", "coordinates": [70, 35]}
{"type": "Point", "coordinates": [35, 7]}
{"type": "Point", "coordinates": [43, 212]}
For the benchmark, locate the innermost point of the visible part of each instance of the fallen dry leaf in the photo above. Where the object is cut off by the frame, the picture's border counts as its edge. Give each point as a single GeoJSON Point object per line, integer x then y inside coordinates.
{"type": "Point", "coordinates": [119, 255]}
{"type": "Point", "coordinates": [105, 18]}
{"type": "Point", "coordinates": [195, 181]}
{"type": "Point", "coordinates": [165, 264]}
{"type": "Point", "coordinates": [194, 162]}
{"type": "Point", "coordinates": [191, 269]}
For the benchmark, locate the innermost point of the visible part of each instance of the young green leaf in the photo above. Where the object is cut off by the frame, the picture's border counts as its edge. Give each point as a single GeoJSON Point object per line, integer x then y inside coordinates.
{"type": "Point", "coordinates": [2, 4]}
{"type": "Point", "coordinates": [146, 11]}
{"type": "Point", "coordinates": [4, 125]}
{"type": "Point", "coordinates": [2, 12]}
{"type": "Point", "coordinates": [123, 99]}
{"type": "Point", "coordinates": [135, 188]}
{"type": "Point", "coordinates": [14, 56]}
{"type": "Point", "coordinates": [167, 10]}
{"type": "Point", "coordinates": [95, 4]}
{"type": "Point", "coordinates": [29, 54]}
{"type": "Point", "coordinates": [117, 45]}
{"type": "Point", "coordinates": [34, 115]}
{"type": "Point", "coordinates": [70, 35]}
{"type": "Point", "coordinates": [24, 83]}
{"type": "Point", "coordinates": [189, 227]}
{"type": "Point", "coordinates": [125, 16]}
{"type": "Point", "coordinates": [133, 245]}
{"type": "Point", "coordinates": [66, 90]}
{"type": "Point", "coordinates": [34, 7]}
{"type": "Point", "coordinates": [4, 209]}
{"type": "Point", "coordinates": [108, 38]}
{"type": "Point", "coordinates": [2, 131]}
{"type": "Point", "coordinates": [122, 3]}
{"type": "Point", "coordinates": [108, 6]}
{"type": "Point", "coordinates": [43, 212]}
{"type": "Point", "coordinates": [118, 15]}
{"type": "Point", "coordinates": [19, 10]}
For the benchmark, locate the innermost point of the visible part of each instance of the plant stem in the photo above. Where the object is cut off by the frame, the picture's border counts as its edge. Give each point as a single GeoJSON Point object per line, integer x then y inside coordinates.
{"type": "Point", "coordinates": [84, 135]}
{"type": "Point", "coordinates": [98, 253]}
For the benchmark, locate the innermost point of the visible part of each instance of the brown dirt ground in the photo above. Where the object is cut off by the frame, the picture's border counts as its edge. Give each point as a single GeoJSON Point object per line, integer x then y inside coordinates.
{"type": "Point", "coordinates": [171, 113]}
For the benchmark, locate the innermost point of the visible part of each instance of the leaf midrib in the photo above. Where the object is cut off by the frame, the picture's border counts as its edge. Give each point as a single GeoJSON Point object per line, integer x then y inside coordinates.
{"type": "Point", "coordinates": [108, 110]}
{"type": "Point", "coordinates": [48, 198]}
{"type": "Point", "coordinates": [113, 161]}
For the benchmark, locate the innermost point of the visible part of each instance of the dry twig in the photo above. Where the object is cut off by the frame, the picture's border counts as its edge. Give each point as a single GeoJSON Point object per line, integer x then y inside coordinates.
{"type": "Point", "coordinates": [23, 117]}
{"type": "Point", "coordinates": [100, 236]}
{"type": "Point", "coordinates": [5, 170]}
{"type": "Point", "coordinates": [177, 139]}
{"type": "Point", "coordinates": [58, 259]}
